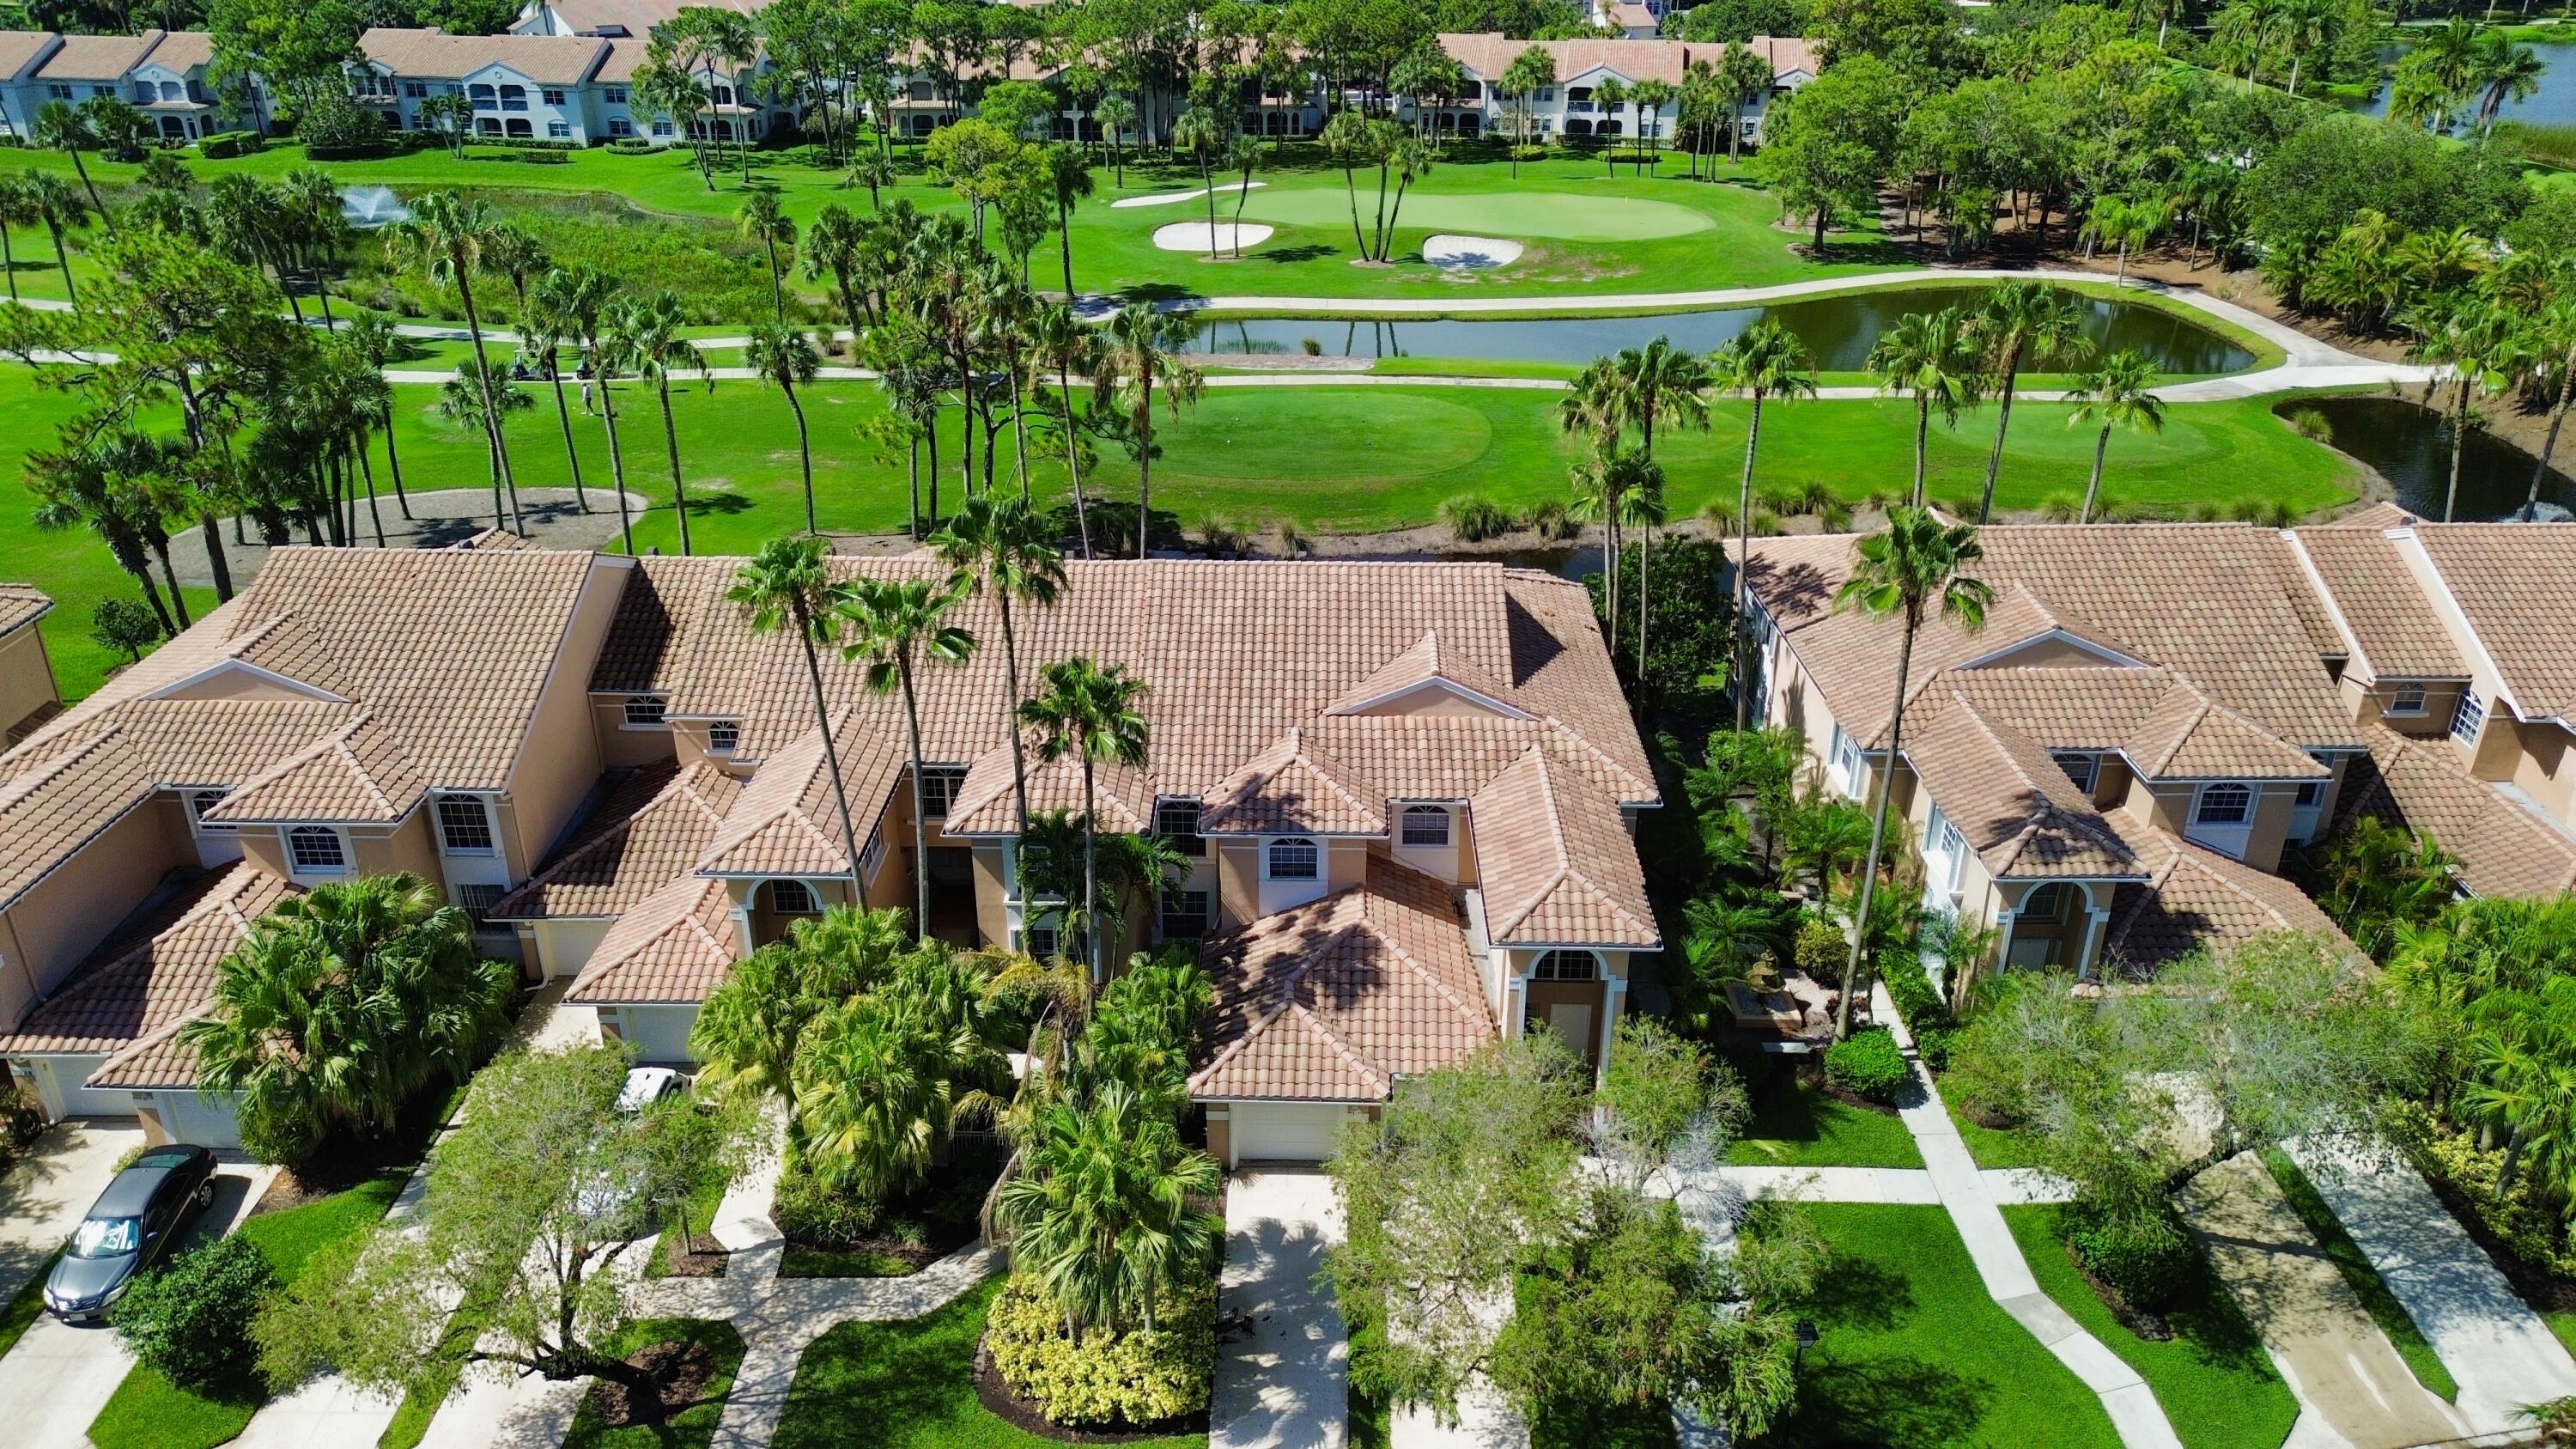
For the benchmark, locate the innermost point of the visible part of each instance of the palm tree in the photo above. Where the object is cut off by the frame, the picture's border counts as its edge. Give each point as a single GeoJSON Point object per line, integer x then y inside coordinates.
{"type": "Point", "coordinates": [313, 209]}
{"type": "Point", "coordinates": [2503, 72]}
{"type": "Point", "coordinates": [2022, 322]}
{"type": "Point", "coordinates": [1002, 546]}
{"type": "Point", "coordinates": [2486, 350]}
{"type": "Point", "coordinates": [1101, 1208]}
{"type": "Point", "coordinates": [1243, 158]}
{"type": "Point", "coordinates": [2123, 223]}
{"type": "Point", "coordinates": [446, 234]}
{"type": "Point", "coordinates": [77, 489]}
{"type": "Point", "coordinates": [59, 126]}
{"type": "Point", "coordinates": [1140, 347]}
{"type": "Point", "coordinates": [1766, 360]}
{"type": "Point", "coordinates": [581, 300]}
{"type": "Point", "coordinates": [1411, 159]}
{"type": "Point", "coordinates": [644, 336]}
{"type": "Point", "coordinates": [1917, 565]}
{"type": "Point", "coordinates": [762, 220]}
{"type": "Point", "coordinates": [1198, 131]}
{"type": "Point", "coordinates": [1930, 355]}
{"type": "Point", "coordinates": [374, 339]}
{"type": "Point", "coordinates": [1115, 114]}
{"type": "Point", "coordinates": [896, 625]}
{"type": "Point", "coordinates": [60, 208]}
{"type": "Point", "coordinates": [1641, 506]}
{"type": "Point", "coordinates": [467, 398]}
{"type": "Point", "coordinates": [1821, 836]}
{"type": "Point", "coordinates": [1744, 76]}
{"type": "Point", "coordinates": [1651, 96]}
{"type": "Point", "coordinates": [545, 325]}
{"type": "Point", "coordinates": [17, 208]}
{"type": "Point", "coordinates": [1088, 711]}
{"type": "Point", "coordinates": [1595, 408]}
{"type": "Point", "coordinates": [1530, 72]}
{"type": "Point", "coordinates": [1348, 139]}
{"type": "Point", "coordinates": [833, 246]}
{"type": "Point", "coordinates": [1609, 95]}
{"type": "Point", "coordinates": [2121, 393]}
{"type": "Point", "coordinates": [663, 85]}
{"type": "Point", "coordinates": [786, 356]}
{"type": "Point", "coordinates": [788, 584]}
{"type": "Point", "coordinates": [2554, 333]}
{"type": "Point", "coordinates": [1058, 339]}
{"type": "Point", "coordinates": [1068, 181]}
{"type": "Point", "coordinates": [1658, 381]}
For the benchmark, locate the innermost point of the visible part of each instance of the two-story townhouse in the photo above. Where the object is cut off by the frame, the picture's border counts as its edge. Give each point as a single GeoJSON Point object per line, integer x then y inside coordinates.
{"type": "Point", "coordinates": [169, 86]}
{"type": "Point", "coordinates": [161, 73]}
{"type": "Point", "coordinates": [1568, 107]}
{"type": "Point", "coordinates": [347, 713]}
{"type": "Point", "coordinates": [521, 87]}
{"type": "Point", "coordinates": [2460, 675]}
{"type": "Point", "coordinates": [82, 67]}
{"type": "Point", "coordinates": [2107, 771]}
{"type": "Point", "coordinates": [29, 693]}
{"type": "Point", "coordinates": [21, 94]}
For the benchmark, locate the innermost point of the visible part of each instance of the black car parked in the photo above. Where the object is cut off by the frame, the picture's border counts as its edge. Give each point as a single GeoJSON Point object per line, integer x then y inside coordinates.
{"type": "Point", "coordinates": [129, 1228]}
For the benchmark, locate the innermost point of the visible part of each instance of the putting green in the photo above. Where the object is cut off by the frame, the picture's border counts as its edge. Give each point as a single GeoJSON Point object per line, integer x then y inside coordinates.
{"type": "Point", "coordinates": [1371, 437]}
{"type": "Point", "coordinates": [1560, 214]}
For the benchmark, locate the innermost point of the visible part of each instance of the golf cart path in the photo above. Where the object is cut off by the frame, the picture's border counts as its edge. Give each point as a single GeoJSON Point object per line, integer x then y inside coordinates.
{"type": "Point", "coordinates": [2498, 1349]}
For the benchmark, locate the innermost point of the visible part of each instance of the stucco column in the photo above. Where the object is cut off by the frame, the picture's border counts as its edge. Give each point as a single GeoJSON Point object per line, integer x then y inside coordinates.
{"type": "Point", "coordinates": [742, 924]}
{"type": "Point", "coordinates": [1610, 1007]}
{"type": "Point", "coordinates": [2004, 937]}
{"type": "Point", "coordinates": [2096, 918]}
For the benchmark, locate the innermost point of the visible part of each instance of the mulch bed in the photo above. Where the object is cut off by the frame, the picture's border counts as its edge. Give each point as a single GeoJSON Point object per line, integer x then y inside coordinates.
{"type": "Point", "coordinates": [683, 1371]}
{"type": "Point", "coordinates": [2148, 1326]}
{"type": "Point", "coordinates": [2539, 1287]}
{"type": "Point", "coordinates": [709, 1261]}
{"type": "Point", "coordinates": [1811, 1075]}
{"type": "Point", "coordinates": [1020, 1414]}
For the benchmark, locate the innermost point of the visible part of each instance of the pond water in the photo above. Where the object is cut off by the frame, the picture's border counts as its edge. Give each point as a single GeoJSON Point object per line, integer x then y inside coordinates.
{"type": "Point", "coordinates": [2411, 447]}
{"type": "Point", "coordinates": [1838, 330]}
{"type": "Point", "coordinates": [2552, 105]}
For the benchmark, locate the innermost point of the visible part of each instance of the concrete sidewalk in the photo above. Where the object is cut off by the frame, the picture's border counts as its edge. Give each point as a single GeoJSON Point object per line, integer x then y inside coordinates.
{"type": "Point", "coordinates": [1283, 1355]}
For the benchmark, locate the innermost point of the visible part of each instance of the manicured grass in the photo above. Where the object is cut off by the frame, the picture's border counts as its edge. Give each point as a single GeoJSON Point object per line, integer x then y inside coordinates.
{"type": "Point", "coordinates": [2213, 1378]}
{"type": "Point", "coordinates": [150, 1412]}
{"type": "Point", "coordinates": [2349, 1260]}
{"type": "Point", "coordinates": [2564, 1325]}
{"type": "Point", "coordinates": [1913, 1352]}
{"type": "Point", "coordinates": [690, 1428]}
{"type": "Point", "coordinates": [833, 1263]}
{"type": "Point", "coordinates": [907, 1385]}
{"type": "Point", "coordinates": [26, 1306]}
{"type": "Point", "coordinates": [1797, 1126]}
{"type": "Point", "coordinates": [1992, 1146]}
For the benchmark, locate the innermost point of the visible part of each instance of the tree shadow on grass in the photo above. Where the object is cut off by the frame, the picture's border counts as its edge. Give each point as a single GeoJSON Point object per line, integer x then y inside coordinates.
{"type": "Point", "coordinates": [1303, 252]}
{"type": "Point", "coordinates": [1896, 1400]}
{"type": "Point", "coordinates": [1856, 1293]}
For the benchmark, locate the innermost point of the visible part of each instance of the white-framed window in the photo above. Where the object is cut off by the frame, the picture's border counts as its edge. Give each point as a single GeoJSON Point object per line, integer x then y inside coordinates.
{"type": "Point", "coordinates": [1847, 760]}
{"type": "Point", "coordinates": [662, 129]}
{"type": "Point", "coordinates": [554, 95]}
{"type": "Point", "coordinates": [559, 130]}
{"type": "Point", "coordinates": [103, 92]}
{"type": "Point", "coordinates": [2468, 718]}
{"type": "Point", "coordinates": [2045, 904]}
{"type": "Point", "coordinates": [464, 825]}
{"type": "Point", "coordinates": [2080, 767]}
{"type": "Point", "coordinates": [1567, 966]}
{"type": "Point", "coordinates": [793, 898]}
{"type": "Point", "coordinates": [316, 850]}
{"type": "Point", "coordinates": [723, 735]}
{"type": "Point", "coordinates": [1185, 915]}
{"type": "Point", "coordinates": [1425, 825]}
{"type": "Point", "coordinates": [644, 711]}
{"type": "Point", "coordinates": [2223, 805]}
{"type": "Point", "coordinates": [1176, 819]}
{"type": "Point", "coordinates": [872, 854]}
{"type": "Point", "coordinates": [939, 788]}
{"type": "Point", "coordinates": [1042, 942]}
{"type": "Point", "coordinates": [2313, 792]}
{"type": "Point", "coordinates": [454, 88]}
{"type": "Point", "coordinates": [2408, 700]}
{"type": "Point", "coordinates": [201, 801]}
{"type": "Point", "coordinates": [621, 127]}
{"type": "Point", "coordinates": [1293, 858]}
{"type": "Point", "coordinates": [478, 900]}
{"type": "Point", "coordinates": [1949, 866]}
{"type": "Point", "coordinates": [616, 95]}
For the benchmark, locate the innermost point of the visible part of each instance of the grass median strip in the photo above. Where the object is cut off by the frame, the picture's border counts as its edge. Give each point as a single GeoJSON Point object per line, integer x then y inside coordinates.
{"type": "Point", "coordinates": [2354, 1265]}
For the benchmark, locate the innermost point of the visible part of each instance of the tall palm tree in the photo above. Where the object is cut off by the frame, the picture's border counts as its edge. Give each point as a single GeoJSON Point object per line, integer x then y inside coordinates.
{"type": "Point", "coordinates": [582, 299]}
{"type": "Point", "coordinates": [1531, 71]}
{"type": "Point", "coordinates": [545, 326]}
{"type": "Point", "coordinates": [1743, 75]}
{"type": "Point", "coordinates": [313, 207]}
{"type": "Point", "coordinates": [1059, 340]}
{"type": "Point", "coordinates": [1930, 355]}
{"type": "Point", "coordinates": [786, 356]}
{"type": "Point", "coordinates": [446, 234]}
{"type": "Point", "coordinates": [1198, 131]}
{"type": "Point", "coordinates": [644, 337]}
{"type": "Point", "coordinates": [1088, 711]}
{"type": "Point", "coordinates": [468, 398]}
{"type": "Point", "coordinates": [2123, 223]}
{"type": "Point", "coordinates": [2503, 72]}
{"type": "Point", "coordinates": [59, 126]}
{"type": "Point", "coordinates": [1068, 181]}
{"type": "Point", "coordinates": [2554, 335]}
{"type": "Point", "coordinates": [1767, 360]}
{"type": "Point", "coordinates": [1660, 382]}
{"type": "Point", "coordinates": [897, 625]}
{"type": "Point", "coordinates": [1140, 348]}
{"type": "Point", "coordinates": [1002, 546]}
{"type": "Point", "coordinates": [787, 584]}
{"type": "Point", "coordinates": [374, 338]}
{"type": "Point", "coordinates": [2020, 322]}
{"type": "Point", "coordinates": [763, 220]}
{"type": "Point", "coordinates": [77, 489]}
{"type": "Point", "coordinates": [60, 208]}
{"type": "Point", "coordinates": [1101, 1208]}
{"type": "Point", "coordinates": [17, 208]}
{"type": "Point", "coordinates": [833, 246]}
{"type": "Point", "coordinates": [1915, 567]}
{"type": "Point", "coordinates": [1641, 506]}
{"type": "Point", "coordinates": [2121, 394]}
{"type": "Point", "coordinates": [2486, 350]}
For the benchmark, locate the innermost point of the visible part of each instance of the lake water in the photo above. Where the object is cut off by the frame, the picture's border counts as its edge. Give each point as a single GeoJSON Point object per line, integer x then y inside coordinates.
{"type": "Point", "coordinates": [2411, 447]}
{"type": "Point", "coordinates": [2553, 104]}
{"type": "Point", "coordinates": [1838, 330]}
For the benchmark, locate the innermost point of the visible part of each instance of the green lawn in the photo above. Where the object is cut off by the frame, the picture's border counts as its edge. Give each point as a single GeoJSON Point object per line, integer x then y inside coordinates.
{"type": "Point", "coordinates": [150, 1412]}
{"type": "Point", "coordinates": [2213, 1378]}
{"type": "Point", "coordinates": [692, 1427]}
{"type": "Point", "coordinates": [1913, 1352]}
{"type": "Point", "coordinates": [1797, 1126]}
{"type": "Point", "coordinates": [1992, 1146]}
{"type": "Point", "coordinates": [834, 1263]}
{"type": "Point", "coordinates": [907, 1385]}
{"type": "Point", "coordinates": [2349, 1260]}
{"type": "Point", "coordinates": [26, 1306]}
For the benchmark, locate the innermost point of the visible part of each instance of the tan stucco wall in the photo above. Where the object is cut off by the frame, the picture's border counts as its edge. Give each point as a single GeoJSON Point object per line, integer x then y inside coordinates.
{"type": "Point", "coordinates": [1345, 864]}
{"type": "Point", "coordinates": [2546, 767]}
{"type": "Point", "coordinates": [1238, 875]}
{"type": "Point", "coordinates": [560, 948]}
{"type": "Point", "coordinates": [620, 747]}
{"type": "Point", "coordinates": [2164, 807]}
{"type": "Point", "coordinates": [560, 761]}
{"type": "Point", "coordinates": [27, 681]}
{"type": "Point", "coordinates": [2273, 805]}
{"type": "Point", "coordinates": [64, 917]}
{"type": "Point", "coordinates": [2370, 703]}
{"type": "Point", "coordinates": [1220, 1135]}
{"type": "Point", "coordinates": [1542, 995]}
{"type": "Point", "coordinates": [407, 847]}
{"type": "Point", "coordinates": [992, 894]}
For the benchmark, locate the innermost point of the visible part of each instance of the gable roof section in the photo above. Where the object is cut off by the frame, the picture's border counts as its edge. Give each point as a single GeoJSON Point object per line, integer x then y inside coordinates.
{"type": "Point", "coordinates": [1556, 863]}
{"type": "Point", "coordinates": [1292, 788]}
{"type": "Point", "coordinates": [671, 947]}
{"type": "Point", "coordinates": [985, 805]}
{"type": "Point", "coordinates": [2198, 898]}
{"type": "Point", "coordinates": [785, 822]}
{"type": "Point", "coordinates": [356, 773]}
{"type": "Point", "coordinates": [2502, 846]}
{"type": "Point", "coordinates": [650, 831]}
{"type": "Point", "coordinates": [2187, 736]}
{"type": "Point", "coordinates": [2009, 800]}
{"type": "Point", "coordinates": [2381, 604]}
{"type": "Point", "coordinates": [21, 49]}
{"type": "Point", "coordinates": [2512, 582]}
{"type": "Point", "coordinates": [1336, 999]}
{"type": "Point", "coordinates": [160, 971]}
{"type": "Point", "coordinates": [1426, 665]}
{"type": "Point", "coordinates": [20, 604]}
{"type": "Point", "coordinates": [97, 57]}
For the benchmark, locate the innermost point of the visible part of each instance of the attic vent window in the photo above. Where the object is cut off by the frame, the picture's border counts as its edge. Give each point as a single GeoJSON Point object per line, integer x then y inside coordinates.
{"type": "Point", "coordinates": [202, 801]}
{"type": "Point", "coordinates": [2409, 699]}
{"type": "Point", "coordinates": [644, 711]}
{"type": "Point", "coordinates": [722, 736]}
{"type": "Point", "coordinates": [939, 788]}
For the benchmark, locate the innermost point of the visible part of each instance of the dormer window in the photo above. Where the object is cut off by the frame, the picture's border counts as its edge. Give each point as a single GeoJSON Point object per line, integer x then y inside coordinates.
{"type": "Point", "coordinates": [316, 850]}
{"type": "Point", "coordinates": [722, 736]}
{"type": "Point", "coordinates": [939, 788]}
{"type": "Point", "coordinates": [1177, 821]}
{"type": "Point", "coordinates": [644, 711]}
{"type": "Point", "coordinates": [201, 801]}
{"type": "Point", "coordinates": [1425, 825]}
{"type": "Point", "coordinates": [1293, 858]}
{"type": "Point", "coordinates": [1567, 966]}
{"type": "Point", "coordinates": [2081, 768]}
{"type": "Point", "coordinates": [2408, 700]}
{"type": "Point", "coordinates": [793, 898]}
{"type": "Point", "coordinates": [2224, 805]}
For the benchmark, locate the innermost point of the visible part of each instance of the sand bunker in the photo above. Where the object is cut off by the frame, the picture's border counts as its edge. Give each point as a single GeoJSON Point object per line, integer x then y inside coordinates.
{"type": "Point", "coordinates": [1445, 250]}
{"type": "Point", "coordinates": [1192, 236]}
{"type": "Point", "coordinates": [1228, 189]}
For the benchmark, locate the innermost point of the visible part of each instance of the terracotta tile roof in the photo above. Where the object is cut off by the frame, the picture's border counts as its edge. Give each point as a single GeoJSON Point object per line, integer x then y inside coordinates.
{"type": "Point", "coordinates": [2009, 800]}
{"type": "Point", "coordinates": [356, 772]}
{"type": "Point", "coordinates": [1555, 862]}
{"type": "Point", "coordinates": [2385, 514]}
{"type": "Point", "coordinates": [1335, 999]}
{"type": "Point", "coordinates": [664, 601]}
{"type": "Point", "coordinates": [20, 604]}
{"type": "Point", "coordinates": [984, 804]}
{"type": "Point", "coordinates": [2512, 581]}
{"type": "Point", "coordinates": [158, 1061]}
{"type": "Point", "coordinates": [2197, 898]}
{"type": "Point", "coordinates": [2503, 845]}
{"type": "Point", "coordinates": [1292, 787]}
{"type": "Point", "coordinates": [1488, 54]}
{"type": "Point", "coordinates": [553, 60]}
{"type": "Point", "coordinates": [2186, 736]}
{"type": "Point", "coordinates": [97, 57]}
{"type": "Point", "coordinates": [786, 823]}
{"type": "Point", "coordinates": [49, 811]}
{"type": "Point", "coordinates": [2381, 604]}
{"type": "Point", "coordinates": [586, 17]}
{"type": "Point", "coordinates": [651, 830]}
{"type": "Point", "coordinates": [494, 540]}
{"type": "Point", "coordinates": [2063, 708]}
{"type": "Point", "coordinates": [1424, 663]}
{"type": "Point", "coordinates": [156, 972]}
{"type": "Point", "coordinates": [20, 49]}
{"type": "Point", "coordinates": [672, 946]}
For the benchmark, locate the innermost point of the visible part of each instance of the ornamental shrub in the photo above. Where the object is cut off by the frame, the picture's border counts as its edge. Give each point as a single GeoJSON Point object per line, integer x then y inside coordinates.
{"type": "Point", "coordinates": [191, 1320]}
{"type": "Point", "coordinates": [1867, 1064]}
{"type": "Point", "coordinates": [1475, 518]}
{"type": "Point", "coordinates": [813, 1213]}
{"type": "Point", "coordinates": [224, 145]}
{"type": "Point", "coordinates": [1137, 1378]}
{"type": "Point", "coordinates": [1821, 951]}
{"type": "Point", "coordinates": [2143, 1255]}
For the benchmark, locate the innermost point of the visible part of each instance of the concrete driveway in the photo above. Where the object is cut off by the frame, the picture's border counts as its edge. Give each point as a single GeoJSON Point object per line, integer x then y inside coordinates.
{"type": "Point", "coordinates": [43, 1197]}
{"type": "Point", "coordinates": [1283, 1355]}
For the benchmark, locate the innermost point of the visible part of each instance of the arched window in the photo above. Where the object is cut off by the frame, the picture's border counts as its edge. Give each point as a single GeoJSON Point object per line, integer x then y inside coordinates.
{"type": "Point", "coordinates": [793, 898]}
{"type": "Point", "coordinates": [2045, 904]}
{"type": "Point", "coordinates": [644, 711]}
{"type": "Point", "coordinates": [1567, 966]}
{"type": "Point", "coordinates": [202, 801]}
{"type": "Point", "coordinates": [1425, 825]}
{"type": "Point", "coordinates": [1294, 858]}
{"type": "Point", "coordinates": [2224, 805]}
{"type": "Point", "coordinates": [316, 848]}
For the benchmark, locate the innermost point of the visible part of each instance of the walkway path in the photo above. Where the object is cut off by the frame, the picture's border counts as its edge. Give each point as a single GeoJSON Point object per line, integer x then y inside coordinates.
{"type": "Point", "coordinates": [1283, 1375]}
{"type": "Point", "coordinates": [1963, 1189]}
{"type": "Point", "coordinates": [2498, 1349]}
{"type": "Point", "coordinates": [2353, 1389]}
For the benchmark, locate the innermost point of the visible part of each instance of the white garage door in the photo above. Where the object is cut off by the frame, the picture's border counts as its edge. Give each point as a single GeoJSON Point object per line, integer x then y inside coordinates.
{"type": "Point", "coordinates": [1284, 1131]}
{"type": "Point", "coordinates": [191, 1118]}
{"type": "Point", "coordinates": [58, 1083]}
{"type": "Point", "coordinates": [659, 1034]}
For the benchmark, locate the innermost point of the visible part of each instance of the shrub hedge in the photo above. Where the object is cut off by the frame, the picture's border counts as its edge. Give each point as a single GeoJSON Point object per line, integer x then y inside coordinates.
{"type": "Point", "coordinates": [191, 1320]}
{"type": "Point", "coordinates": [224, 145]}
{"type": "Point", "coordinates": [1867, 1064]}
{"type": "Point", "coordinates": [1134, 1379]}
{"type": "Point", "coordinates": [2146, 1257]}
{"type": "Point", "coordinates": [1927, 1016]}
{"type": "Point", "coordinates": [1821, 950]}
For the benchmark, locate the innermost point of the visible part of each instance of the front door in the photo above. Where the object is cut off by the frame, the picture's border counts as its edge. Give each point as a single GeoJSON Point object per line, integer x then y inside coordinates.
{"type": "Point", "coordinates": [1573, 1021]}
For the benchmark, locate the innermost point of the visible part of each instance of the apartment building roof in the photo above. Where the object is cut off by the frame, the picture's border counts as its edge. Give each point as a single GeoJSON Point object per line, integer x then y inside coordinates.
{"type": "Point", "coordinates": [629, 17]}
{"type": "Point", "coordinates": [1335, 999]}
{"type": "Point", "coordinates": [670, 948]}
{"type": "Point", "coordinates": [21, 604]}
{"type": "Point", "coordinates": [1556, 867]}
{"type": "Point", "coordinates": [2393, 631]}
{"type": "Point", "coordinates": [652, 828]}
{"type": "Point", "coordinates": [2502, 845]}
{"type": "Point", "coordinates": [97, 57]}
{"type": "Point", "coordinates": [2512, 582]}
{"type": "Point", "coordinates": [21, 49]}
{"type": "Point", "coordinates": [553, 60]}
{"type": "Point", "coordinates": [2195, 899]}
{"type": "Point", "coordinates": [158, 971]}
{"type": "Point", "coordinates": [182, 51]}
{"type": "Point", "coordinates": [1489, 53]}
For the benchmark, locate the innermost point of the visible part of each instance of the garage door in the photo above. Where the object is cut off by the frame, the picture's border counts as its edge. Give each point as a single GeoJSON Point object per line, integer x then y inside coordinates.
{"type": "Point", "coordinates": [188, 1117]}
{"type": "Point", "coordinates": [58, 1083]}
{"type": "Point", "coordinates": [1284, 1132]}
{"type": "Point", "coordinates": [659, 1034]}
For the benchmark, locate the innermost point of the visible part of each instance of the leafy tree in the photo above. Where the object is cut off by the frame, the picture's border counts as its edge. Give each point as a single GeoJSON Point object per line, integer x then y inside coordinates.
{"type": "Point", "coordinates": [2313, 183]}
{"type": "Point", "coordinates": [883, 1078]}
{"type": "Point", "coordinates": [125, 627]}
{"type": "Point", "coordinates": [2378, 882]}
{"type": "Point", "coordinates": [1824, 147]}
{"type": "Point", "coordinates": [62, 126]}
{"type": "Point", "coordinates": [896, 625]}
{"type": "Point", "coordinates": [189, 1321]}
{"type": "Point", "coordinates": [1101, 1210]}
{"type": "Point", "coordinates": [342, 1005]}
{"type": "Point", "coordinates": [753, 1022]}
{"type": "Point", "coordinates": [2119, 393]}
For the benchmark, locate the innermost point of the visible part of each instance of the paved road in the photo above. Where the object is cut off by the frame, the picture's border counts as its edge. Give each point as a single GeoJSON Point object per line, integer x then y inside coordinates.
{"type": "Point", "coordinates": [1282, 1376]}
